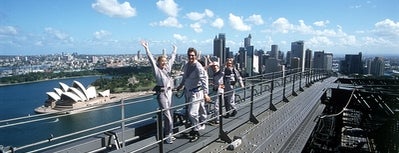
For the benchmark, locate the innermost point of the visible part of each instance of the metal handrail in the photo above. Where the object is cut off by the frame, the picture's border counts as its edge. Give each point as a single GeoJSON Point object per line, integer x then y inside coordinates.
{"type": "Point", "coordinates": [248, 81]}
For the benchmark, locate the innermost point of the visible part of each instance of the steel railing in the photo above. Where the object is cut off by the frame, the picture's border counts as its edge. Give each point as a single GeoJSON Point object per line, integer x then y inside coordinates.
{"type": "Point", "coordinates": [277, 85]}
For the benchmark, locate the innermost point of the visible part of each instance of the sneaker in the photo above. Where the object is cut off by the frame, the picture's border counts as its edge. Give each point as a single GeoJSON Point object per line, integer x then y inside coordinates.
{"type": "Point", "coordinates": [234, 113]}
{"type": "Point", "coordinates": [201, 127]}
{"type": "Point", "coordinates": [169, 140]}
{"type": "Point", "coordinates": [194, 136]}
{"type": "Point", "coordinates": [214, 123]}
{"type": "Point", "coordinates": [227, 115]}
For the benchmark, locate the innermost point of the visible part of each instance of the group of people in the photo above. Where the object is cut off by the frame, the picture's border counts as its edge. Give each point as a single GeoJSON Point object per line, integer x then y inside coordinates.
{"type": "Point", "coordinates": [195, 85]}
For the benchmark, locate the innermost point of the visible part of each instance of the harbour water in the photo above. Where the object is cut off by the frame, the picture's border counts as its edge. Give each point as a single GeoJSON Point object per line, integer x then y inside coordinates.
{"type": "Point", "coordinates": [21, 100]}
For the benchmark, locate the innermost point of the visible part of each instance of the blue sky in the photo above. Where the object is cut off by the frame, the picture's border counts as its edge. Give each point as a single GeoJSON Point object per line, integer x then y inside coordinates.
{"type": "Point", "coordinates": [32, 27]}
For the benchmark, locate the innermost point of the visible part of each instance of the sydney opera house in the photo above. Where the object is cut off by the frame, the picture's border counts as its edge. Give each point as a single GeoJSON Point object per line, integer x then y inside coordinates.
{"type": "Point", "coordinates": [68, 99]}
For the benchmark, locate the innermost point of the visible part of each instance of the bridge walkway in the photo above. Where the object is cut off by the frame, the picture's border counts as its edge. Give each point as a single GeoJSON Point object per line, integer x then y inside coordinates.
{"type": "Point", "coordinates": [275, 128]}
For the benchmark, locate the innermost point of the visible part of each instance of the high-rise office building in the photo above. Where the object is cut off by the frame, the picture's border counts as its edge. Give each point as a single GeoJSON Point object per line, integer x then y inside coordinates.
{"type": "Point", "coordinates": [328, 61]}
{"type": "Point", "coordinates": [242, 56]}
{"type": "Point", "coordinates": [247, 41]}
{"type": "Point", "coordinates": [377, 66]}
{"type": "Point", "coordinates": [288, 59]}
{"type": "Point", "coordinates": [352, 64]}
{"type": "Point", "coordinates": [322, 60]}
{"type": "Point", "coordinates": [274, 52]}
{"type": "Point", "coordinates": [318, 60]}
{"type": "Point", "coordinates": [298, 50]}
{"type": "Point", "coordinates": [308, 59]}
{"type": "Point", "coordinates": [295, 62]}
{"type": "Point", "coordinates": [219, 47]}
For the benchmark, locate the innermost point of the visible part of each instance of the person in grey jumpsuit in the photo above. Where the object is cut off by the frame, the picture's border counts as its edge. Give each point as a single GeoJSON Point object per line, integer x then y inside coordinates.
{"type": "Point", "coordinates": [217, 87]}
{"type": "Point", "coordinates": [164, 86]}
{"type": "Point", "coordinates": [195, 82]}
{"type": "Point", "coordinates": [231, 77]}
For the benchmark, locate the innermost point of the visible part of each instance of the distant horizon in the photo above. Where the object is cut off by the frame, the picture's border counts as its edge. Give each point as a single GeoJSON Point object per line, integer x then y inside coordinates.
{"type": "Point", "coordinates": [334, 55]}
{"type": "Point", "coordinates": [29, 27]}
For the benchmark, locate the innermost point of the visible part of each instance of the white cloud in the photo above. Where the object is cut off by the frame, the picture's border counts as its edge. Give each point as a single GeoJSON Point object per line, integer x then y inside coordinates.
{"type": "Point", "coordinates": [325, 32]}
{"type": "Point", "coordinates": [303, 28]}
{"type": "Point", "coordinates": [101, 34]}
{"type": "Point", "coordinates": [113, 8]}
{"type": "Point", "coordinates": [218, 23]}
{"type": "Point", "coordinates": [170, 22]}
{"type": "Point", "coordinates": [256, 19]}
{"type": "Point", "coordinates": [169, 7]}
{"type": "Point", "coordinates": [320, 41]}
{"type": "Point", "coordinates": [208, 13]}
{"type": "Point", "coordinates": [321, 23]}
{"type": "Point", "coordinates": [8, 30]}
{"type": "Point", "coordinates": [237, 23]}
{"type": "Point", "coordinates": [387, 28]}
{"type": "Point", "coordinates": [197, 27]}
{"type": "Point", "coordinates": [282, 25]}
{"type": "Point", "coordinates": [195, 16]}
{"type": "Point", "coordinates": [355, 6]}
{"type": "Point", "coordinates": [179, 37]}
{"type": "Point", "coordinates": [348, 40]}
{"type": "Point", "coordinates": [58, 34]}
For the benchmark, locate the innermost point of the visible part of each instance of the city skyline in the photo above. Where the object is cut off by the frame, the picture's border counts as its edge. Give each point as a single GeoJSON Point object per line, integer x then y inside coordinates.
{"type": "Point", "coordinates": [117, 26]}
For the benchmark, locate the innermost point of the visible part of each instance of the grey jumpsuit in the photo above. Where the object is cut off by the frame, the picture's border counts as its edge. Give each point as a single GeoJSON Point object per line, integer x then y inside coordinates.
{"type": "Point", "coordinates": [231, 76]}
{"type": "Point", "coordinates": [195, 81]}
{"type": "Point", "coordinates": [164, 97]}
{"type": "Point", "coordinates": [217, 82]}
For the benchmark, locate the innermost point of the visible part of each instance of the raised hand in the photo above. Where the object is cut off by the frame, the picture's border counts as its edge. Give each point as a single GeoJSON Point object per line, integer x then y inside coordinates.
{"type": "Point", "coordinates": [144, 44]}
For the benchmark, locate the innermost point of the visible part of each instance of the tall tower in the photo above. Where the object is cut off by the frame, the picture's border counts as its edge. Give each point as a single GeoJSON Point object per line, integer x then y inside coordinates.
{"type": "Point", "coordinates": [308, 59]}
{"type": "Point", "coordinates": [318, 60]}
{"type": "Point", "coordinates": [219, 47]}
{"type": "Point", "coordinates": [252, 61]}
{"type": "Point", "coordinates": [377, 66]}
{"type": "Point", "coordinates": [247, 41]}
{"type": "Point", "coordinates": [352, 64]}
{"type": "Point", "coordinates": [274, 52]}
{"type": "Point", "coordinates": [298, 50]}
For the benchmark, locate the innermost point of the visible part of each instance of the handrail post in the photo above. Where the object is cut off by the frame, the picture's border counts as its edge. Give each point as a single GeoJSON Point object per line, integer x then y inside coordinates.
{"type": "Point", "coordinates": [300, 81]}
{"type": "Point", "coordinates": [271, 105]}
{"type": "Point", "coordinates": [307, 75]}
{"type": "Point", "coordinates": [285, 99]}
{"type": "Point", "coordinates": [123, 122]}
{"type": "Point", "coordinates": [160, 129]}
{"type": "Point", "coordinates": [293, 85]}
{"type": "Point", "coordinates": [222, 134]}
{"type": "Point", "coordinates": [252, 117]}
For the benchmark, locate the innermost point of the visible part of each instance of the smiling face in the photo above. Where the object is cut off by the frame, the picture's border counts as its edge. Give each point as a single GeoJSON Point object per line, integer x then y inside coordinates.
{"type": "Point", "coordinates": [215, 68]}
{"type": "Point", "coordinates": [162, 62]}
{"type": "Point", "coordinates": [192, 55]}
{"type": "Point", "coordinates": [229, 63]}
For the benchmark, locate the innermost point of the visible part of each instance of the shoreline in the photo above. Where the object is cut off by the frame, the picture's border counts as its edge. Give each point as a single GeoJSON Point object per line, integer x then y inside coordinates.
{"type": "Point", "coordinates": [28, 82]}
{"type": "Point", "coordinates": [113, 98]}
{"type": "Point", "coordinates": [128, 95]}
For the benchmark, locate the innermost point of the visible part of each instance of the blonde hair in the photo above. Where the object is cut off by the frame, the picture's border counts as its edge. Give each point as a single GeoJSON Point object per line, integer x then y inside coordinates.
{"type": "Point", "coordinates": [160, 57]}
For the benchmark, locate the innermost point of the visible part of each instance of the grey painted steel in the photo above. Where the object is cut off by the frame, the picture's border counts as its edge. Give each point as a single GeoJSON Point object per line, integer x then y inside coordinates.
{"type": "Point", "coordinates": [270, 134]}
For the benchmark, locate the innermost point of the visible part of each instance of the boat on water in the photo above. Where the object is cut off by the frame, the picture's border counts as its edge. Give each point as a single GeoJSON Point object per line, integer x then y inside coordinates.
{"type": "Point", "coordinates": [73, 99]}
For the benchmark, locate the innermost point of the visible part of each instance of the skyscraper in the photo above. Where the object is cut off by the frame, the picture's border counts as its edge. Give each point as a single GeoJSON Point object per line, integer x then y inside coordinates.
{"type": "Point", "coordinates": [274, 52]}
{"type": "Point", "coordinates": [322, 60]}
{"type": "Point", "coordinates": [298, 50]}
{"type": "Point", "coordinates": [308, 59]}
{"type": "Point", "coordinates": [247, 41]}
{"type": "Point", "coordinates": [318, 60]}
{"type": "Point", "coordinates": [377, 66]}
{"type": "Point", "coordinates": [352, 64]}
{"type": "Point", "coordinates": [219, 47]}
